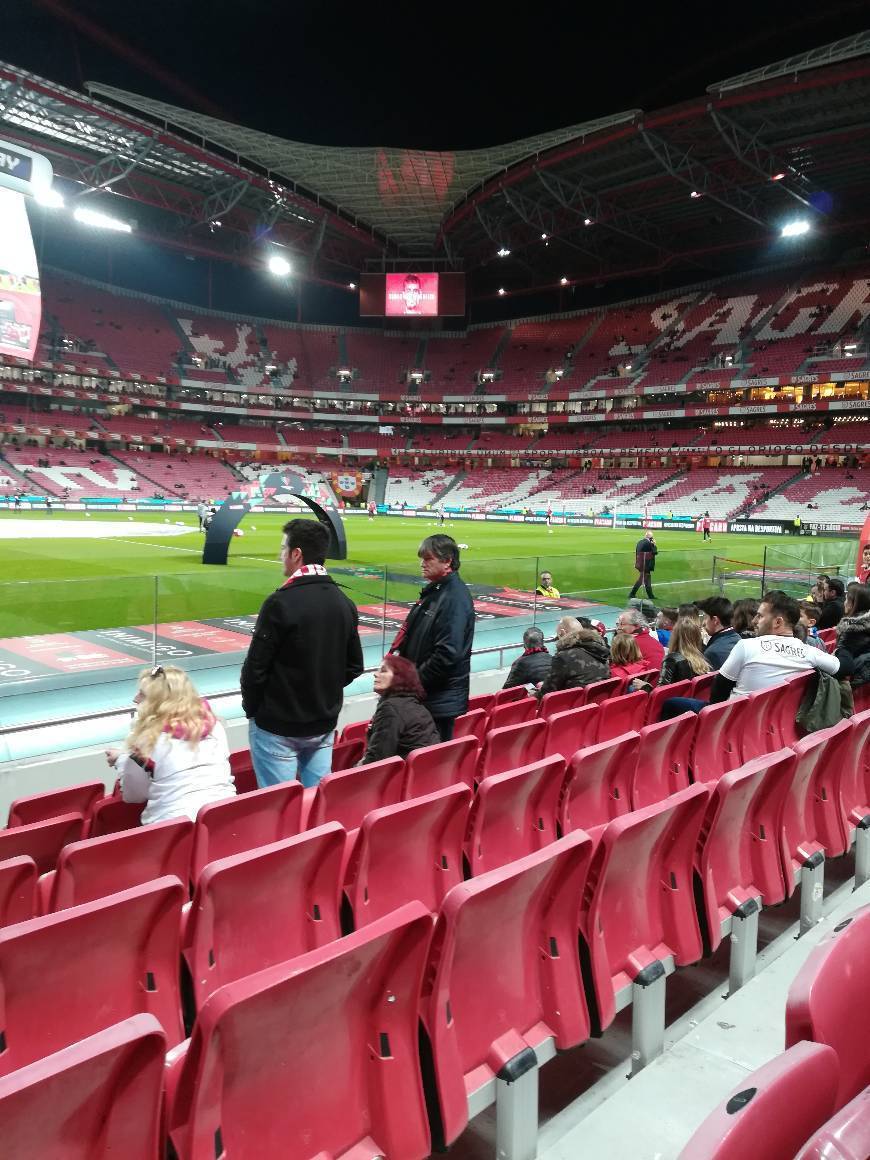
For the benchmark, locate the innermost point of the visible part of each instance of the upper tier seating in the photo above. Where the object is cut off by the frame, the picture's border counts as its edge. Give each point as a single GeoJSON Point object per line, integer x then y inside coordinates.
{"type": "Point", "coordinates": [417, 488]}
{"type": "Point", "coordinates": [194, 476]}
{"type": "Point", "coordinates": [837, 492]}
{"type": "Point", "coordinates": [720, 492]}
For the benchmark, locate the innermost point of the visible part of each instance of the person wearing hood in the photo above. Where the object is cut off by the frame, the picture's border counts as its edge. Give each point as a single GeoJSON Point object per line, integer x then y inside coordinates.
{"type": "Point", "coordinates": [401, 722]}
{"type": "Point", "coordinates": [582, 656]}
{"type": "Point", "coordinates": [853, 632]}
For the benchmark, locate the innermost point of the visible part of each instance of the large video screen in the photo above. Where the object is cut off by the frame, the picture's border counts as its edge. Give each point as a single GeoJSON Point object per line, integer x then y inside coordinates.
{"type": "Point", "coordinates": [20, 299]}
{"type": "Point", "coordinates": [412, 295]}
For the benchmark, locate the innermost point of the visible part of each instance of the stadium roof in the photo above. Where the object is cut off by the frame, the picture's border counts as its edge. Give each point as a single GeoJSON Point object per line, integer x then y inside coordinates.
{"type": "Point", "coordinates": [632, 193]}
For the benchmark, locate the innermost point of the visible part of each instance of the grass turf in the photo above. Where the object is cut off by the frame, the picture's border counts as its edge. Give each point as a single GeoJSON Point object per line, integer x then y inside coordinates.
{"type": "Point", "coordinates": [62, 583]}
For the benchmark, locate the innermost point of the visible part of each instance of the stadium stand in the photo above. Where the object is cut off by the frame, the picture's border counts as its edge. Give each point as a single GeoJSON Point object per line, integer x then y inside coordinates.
{"type": "Point", "coordinates": [380, 360]}
{"type": "Point", "coordinates": [721, 493]}
{"type": "Point", "coordinates": [190, 476]}
{"type": "Point", "coordinates": [455, 362]}
{"type": "Point", "coordinates": [837, 495]}
{"type": "Point", "coordinates": [537, 347]}
{"type": "Point", "coordinates": [416, 488]}
{"type": "Point", "coordinates": [494, 487]}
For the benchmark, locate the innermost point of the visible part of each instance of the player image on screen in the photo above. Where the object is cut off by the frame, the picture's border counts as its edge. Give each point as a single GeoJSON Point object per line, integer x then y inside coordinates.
{"type": "Point", "coordinates": [412, 295]}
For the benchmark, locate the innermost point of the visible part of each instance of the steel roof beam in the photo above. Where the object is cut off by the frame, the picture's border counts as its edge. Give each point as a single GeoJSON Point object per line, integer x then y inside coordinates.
{"type": "Point", "coordinates": [114, 167]}
{"type": "Point", "coordinates": [752, 152]}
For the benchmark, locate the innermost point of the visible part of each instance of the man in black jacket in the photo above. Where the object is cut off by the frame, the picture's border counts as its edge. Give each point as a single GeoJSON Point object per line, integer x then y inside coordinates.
{"type": "Point", "coordinates": [438, 632]}
{"type": "Point", "coordinates": [305, 649]}
{"type": "Point", "coordinates": [534, 665]}
{"type": "Point", "coordinates": [645, 553]}
{"type": "Point", "coordinates": [833, 605]}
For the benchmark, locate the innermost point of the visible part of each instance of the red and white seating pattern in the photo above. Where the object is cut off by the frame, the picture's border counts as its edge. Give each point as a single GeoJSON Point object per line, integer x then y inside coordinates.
{"type": "Point", "coordinates": [721, 493]}
{"type": "Point", "coordinates": [416, 488]}
{"type": "Point", "coordinates": [839, 498]}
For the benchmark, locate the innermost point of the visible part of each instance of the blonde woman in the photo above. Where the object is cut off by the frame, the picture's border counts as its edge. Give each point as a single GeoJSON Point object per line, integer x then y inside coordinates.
{"type": "Point", "coordinates": [625, 657]}
{"type": "Point", "coordinates": [176, 756]}
{"type": "Point", "coordinates": [685, 656]}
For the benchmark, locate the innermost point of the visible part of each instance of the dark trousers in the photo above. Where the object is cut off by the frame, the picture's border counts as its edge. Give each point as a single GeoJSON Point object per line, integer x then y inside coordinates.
{"type": "Point", "coordinates": [645, 579]}
{"type": "Point", "coordinates": [444, 725]}
{"type": "Point", "coordinates": [677, 705]}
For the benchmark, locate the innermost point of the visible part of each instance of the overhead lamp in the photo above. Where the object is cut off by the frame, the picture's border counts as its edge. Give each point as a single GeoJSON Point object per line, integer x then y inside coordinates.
{"type": "Point", "coordinates": [695, 193]}
{"type": "Point", "coordinates": [279, 266]}
{"type": "Point", "coordinates": [563, 281]}
{"type": "Point", "coordinates": [777, 176]}
{"type": "Point", "coordinates": [796, 228]}
{"type": "Point", "coordinates": [544, 237]}
{"type": "Point", "coordinates": [501, 291]}
{"type": "Point", "coordinates": [50, 197]}
{"type": "Point", "coordinates": [351, 285]}
{"type": "Point", "coordinates": [587, 221]}
{"type": "Point", "coordinates": [503, 252]}
{"type": "Point", "coordinates": [101, 221]}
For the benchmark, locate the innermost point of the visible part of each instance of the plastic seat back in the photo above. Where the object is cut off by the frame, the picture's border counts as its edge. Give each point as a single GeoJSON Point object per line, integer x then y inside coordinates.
{"type": "Point", "coordinates": [827, 1002]}
{"type": "Point", "coordinates": [774, 1109]}
{"type": "Point", "coordinates": [504, 973]}
{"type": "Point", "coordinates": [438, 766]}
{"type": "Point", "coordinates": [571, 730]}
{"type": "Point", "coordinates": [72, 799]}
{"type": "Point", "coordinates": [622, 714]}
{"type": "Point", "coordinates": [599, 691]}
{"type": "Point", "coordinates": [506, 696]}
{"type": "Point", "coordinates": [347, 797]}
{"type": "Point", "coordinates": [738, 855]}
{"type": "Point", "coordinates": [846, 1136]}
{"type": "Point", "coordinates": [662, 693]}
{"type": "Point", "coordinates": [17, 890]}
{"type": "Point", "coordinates": [650, 676]}
{"type": "Point", "coordinates": [112, 815]}
{"type": "Point", "coordinates": [423, 839]}
{"type": "Point", "coordinates": [109, 1086]}
{"type": "Point", "coordinates": [514, 814]}
{"type": "Point", "coordinates": [512, 712]}
{"type": "Point", "coordinates": [639, 906]}
{"type": "Point", "coordinates": [263, 907]}
{"type": "Point", "coordinates": [811, 819]}
{"type": "Point", "coordinates": [855, 779]}
{"type": "Point", "coordinates": [339, 1024]}
{"type": "Point", "coordinates": [701, 686]}
{"type": "Point", "coordinates": [347, 754]}
{"type": "Point", "coordinates": [756, 734]}
{"type": "Point", "coordinates": [42, 841]}
{"type": "Point", "coordinates": [717, 747]}
{"type": "Point", "coordinates": [784, 711]}
{"type": "Point", "coordinates": [471, 724]}
{"type": "Point", "coordinates": [99, 963]}
{"type": "Point", "coordinates": [663, 760]}
{"type": "Point", "coordinates": [481, 701]}
{"type": "Point", "coordinates": [101, 866]}
{"type": "Point", "coordinates": [828, 635]}
{"type": "Point", "coordinates": [242, 769]}
{"type": "Point", "coordinates": [245, 822]}
{"type": "Point", "coordinates": [355, 731]}
{"type": "Point", "coordinates": [597, 785]}
{"type": "Point", "coordinates": [560, 702]}
{"type": "Point", "coordinates": [512, 746]}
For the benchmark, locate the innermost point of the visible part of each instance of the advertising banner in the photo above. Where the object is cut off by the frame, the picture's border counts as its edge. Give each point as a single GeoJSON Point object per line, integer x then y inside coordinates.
{"type": "Point", "coordinates": [20, 298]}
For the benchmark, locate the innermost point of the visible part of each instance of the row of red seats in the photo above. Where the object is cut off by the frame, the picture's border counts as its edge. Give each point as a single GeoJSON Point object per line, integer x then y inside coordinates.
{"type": "Point", "coordinates": [812, 1102]}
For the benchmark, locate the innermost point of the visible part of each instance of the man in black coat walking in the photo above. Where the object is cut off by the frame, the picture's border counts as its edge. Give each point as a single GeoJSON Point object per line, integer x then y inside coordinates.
{"type": "Point", "coordinates": [438, 633]}
{"type": "Point", "coordinates": [645, 553]}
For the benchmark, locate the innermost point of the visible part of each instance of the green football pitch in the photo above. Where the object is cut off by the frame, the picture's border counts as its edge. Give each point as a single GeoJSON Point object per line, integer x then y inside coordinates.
{"type": "Point", "coordinates": [55, 581]}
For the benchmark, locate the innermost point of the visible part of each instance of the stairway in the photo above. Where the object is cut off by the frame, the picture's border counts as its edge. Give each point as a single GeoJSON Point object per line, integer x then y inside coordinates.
{"type": "Point", "coordinates": [454, 482]}
{"type": "Point", "coordinates": [378, 486]}
{"type": "Point", "coordinates": [500, 348]}
{"type": "Point", "coordinates": [798, 475]}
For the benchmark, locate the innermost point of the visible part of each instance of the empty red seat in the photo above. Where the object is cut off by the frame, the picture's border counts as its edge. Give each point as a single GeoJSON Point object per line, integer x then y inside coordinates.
{"type": "Point", "coordinates": [103, 961]}
{"type": "Point", "coordinates": [355, 731]}
{"type": "Point", "coordinates": [815, 796]}
{"type": "Point", "coordinates": [639, 909]}
{"type": "Point", "coordinates": [846, 1136]}
{"type": "Point", "coordinates": [560, 702]}
{"type": "Point", "coordinates": [72, 799]}
{"type": "Point", "coordinates": [512, 746]}
{"type": "Point", "coordinates": [571, 730]}
{"type": "Point", "coordinates": [242, 769]}
{"type": "Point", "coordinates": [827, 1002]}
{"type": "Point", "coordinates": [339, 1025]}
{"type": "Point", "coordinates": [407, 852]}
{"type": "Point", "coordinates": [717, 747]}
{"type": "Point", "coordinates": [436, 767]}
{"type": "Point", "coordinates": [42, 841]}
{"type": "Point", "coordinates": [757, 736]}
{"type": "Point", "coordinates": [347, 796]}
{"type": "Point", "coordinates": [100, 866]}
{"type": "Point", "coordinates": [828, 635]}
{"type": "Point", "coordinates": [773, 1111]}
{"type": "Point", "coordinates": [663, 693]}
{"type": "Point", "coordinates": [482, 701]}
{"type": "Point", "coordinates": [663, 760]}
{"type": "Point", "coordinates": [781, 722]}
{"type": "Point", "coordinates": [512, 712]}
{"type": "Point", "coordinates": [17, 890]}
{"type": "Point", "coordinates": [514, 814]}
{"type": "Point", "coordinates": [598, 783]}
{"type": "Point", "coordinates": [347, 754]}
{"type": "Point", "coordinates": [506, 696]}
{"type": "Point", "coordinates": [245, 822]}
{"type": "Point", "coordinates": [701, 686]}
{"type": "Point", "coordinates": [471, 724]}
{"type": "Point", "coordinates": [623, 714]}
{"type": "Point", "coordinates": [599, 691]}
{"type": "Point", "coordinates": [96, 1099]}
{"type": "Point", "coordinates": [112, 815]}
{"type": "Point", "coordinates": [263, 907]}
{"type": "Point", "coordinates": [855, 794]}
{"type": "Point", "coordinates": [504, 976]}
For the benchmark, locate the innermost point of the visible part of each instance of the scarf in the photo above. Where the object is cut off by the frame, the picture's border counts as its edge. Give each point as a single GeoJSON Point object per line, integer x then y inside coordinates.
{"type": "Point", "coordinates": [305, 570]}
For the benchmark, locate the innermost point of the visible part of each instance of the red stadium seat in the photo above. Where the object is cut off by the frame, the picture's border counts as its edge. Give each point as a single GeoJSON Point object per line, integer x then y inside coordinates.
{"type": "Point", "coordinates": [571, 730]}
{"type": "Point", "coordinates": [846, 1136]}
{"type": "Point", "coordinates": [639, 919]}
{"type": "Point", "coordinates": [774, 1109]}
{"type": "Point", "coordinates": [738, 858]}
{"type": "Point", "coordinates": [482, 701]}
{"type": "Point", "coordinates": [100, 866]}
{"type": "Point", "coordinates": [39, 807]}
{"type": "Point", "coordinates": [650, 676]}
{"type": "Point", "coordinates": [663, 760]}
{"type": "Point", "coordinates": [855, 795]}
{"type": "Point", "coordinates": [621, 714]}
{"type": "Point", "coordinates": [512, 712]}
{"type": "Point", "coordinates": [347, 754]}
{"type": "Point", "coordinates": [109, 1086]}
{"type": "Point", "coordinates": [407, 852]}
{"type": "Point", "coordinates": [599, 691]}
{"type": "Point", "coordinates": [504, 977]}
{"type": "Point", "coordinates": [506, 696]}
{"type": "Point", "coordinates": [245, 822]}
{"type": "Point", "coordinates": [436, 767]}
{"type": "Point", "coordinates": [701, 686]}
{"type": "Point", "coordinates": [511, 747]}
{"type": "Point", "coordinates": [827, 1002]}
{"type": "Point", "coordinates": [756, 734]}
{"type": "Point", "coordinates": [17, 890]}
{"type": "Point", "coordinates": [828, 635]}
{"type": "Point", "coordinates": [112, 815]}
{"type": "Point", "coordinates": [663, 693]}
{"type": "Point", "coordinates": [355, 731]}
{"type": "Point", "coordinates": [242, 769]}
{"type": "Point", "coordinates": [598, 783]}
{"type": "Point", "coordinates": [347, 797]}
{"type": "Point", "coordinates": [105, 961]}
{"type": "Point", "coordinates": [471, 724]}
{"type": "Point", "coordinates": [783, 712]}
{"type": "Point", "coordinates": [42, 841]}
{"type": "Point", "coordinates": [717, 747]}
{"type": "Point", "coordinates": [338, 1024]}
{"type": "Point", "coordinates": [514, 814]}
{"type": "Point", "coordinates": [560, 702]}
{"type": "Point", "coordinates": [263, 907]}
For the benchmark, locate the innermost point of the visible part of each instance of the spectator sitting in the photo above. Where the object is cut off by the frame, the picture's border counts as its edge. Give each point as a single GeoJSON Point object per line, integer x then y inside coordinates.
{"type": "Point", "coordinates": [176, 757]}
{"type": "Point", "coordinates": [743, 613]}
{"type": "Point", "coordinates": [685, 658]}
{"type": "Point", "coordinates": [717, 612]}
{"type": "Point", "coordinates": [631, 622]}
{"type": "Point", "coordinates": [809, 619]}
{"type": "Point", "coordinates": [534, 665]}
{"type": "Point", "coordinates": [625, 657]}
{"type": "Point", "coordinates": [664, 625]}
{"type": "Point", "coordinates": [853, 632]}
{"type": "Point", "coordinates": [833, 605]}
{"type": "Point", "coordinates": [401, 722]}
{"type": "Point", "coordinates": [582, 657]}
{"type": "Point", "coordinates": [689, 612]}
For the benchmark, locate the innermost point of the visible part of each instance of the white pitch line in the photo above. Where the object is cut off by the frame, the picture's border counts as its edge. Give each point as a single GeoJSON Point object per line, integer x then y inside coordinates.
{"type": "Point", "coordinates": [195, 551]}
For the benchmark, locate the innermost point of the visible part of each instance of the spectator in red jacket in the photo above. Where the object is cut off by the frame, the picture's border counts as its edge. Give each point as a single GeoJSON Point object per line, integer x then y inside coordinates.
{"type": "Point", "coordinates": [625, 657]}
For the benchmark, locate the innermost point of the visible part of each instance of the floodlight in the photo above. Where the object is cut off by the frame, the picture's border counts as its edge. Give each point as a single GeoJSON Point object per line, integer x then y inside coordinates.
{"type": "Point", "coordinates": [501, 291]}
{"type": "Point", "coordinates": [50, 197]}
{"type": "Point", "coordinates": [563, 281]}
{"type": "Point", "coordinates": [101, 221]}
{"type": "Point", "coordinates": [503, 252]}
{"type": "Point", "coordinates": [796, 228]}
{"type": "Point", "coordinates": [351, 285]}
{"type": "Point", "coordinates": [279, 266]}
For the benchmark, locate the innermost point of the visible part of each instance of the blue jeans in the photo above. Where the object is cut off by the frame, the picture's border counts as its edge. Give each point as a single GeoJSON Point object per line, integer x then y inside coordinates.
{"type": "Point", "coordinates": [278, 759]}
{"type": "Point", "coordinates": [674, 706]}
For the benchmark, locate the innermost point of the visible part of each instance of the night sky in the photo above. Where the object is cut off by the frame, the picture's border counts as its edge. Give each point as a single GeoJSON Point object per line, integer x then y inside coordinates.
{"type": "Point", "coordinates": [424, 75]}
